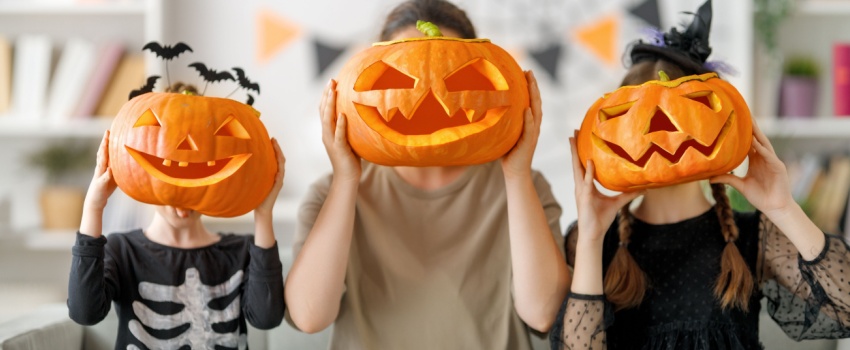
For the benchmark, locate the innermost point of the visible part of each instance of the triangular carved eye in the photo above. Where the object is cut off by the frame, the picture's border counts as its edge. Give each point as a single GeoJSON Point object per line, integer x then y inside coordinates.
{"type": "Point", "coordinates": [147, 119]}
{"type": "Point", "coordinates": [614, 112]}
{"type": "Point", "coordinates": [380, 76]}
{"type": "Point", "coordinates": [232, 127]}
{"type": "Point", "coordinates": [478, 74]}
{"type": "Point", "coordinates": [708, 98]}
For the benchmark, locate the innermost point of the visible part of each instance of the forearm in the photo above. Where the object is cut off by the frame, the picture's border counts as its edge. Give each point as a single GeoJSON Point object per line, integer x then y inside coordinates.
{"type": "Point", "coordinates": [587, 271]}
{"type": "Point", "coordinates": [263, 229]}
{"type": "Point", "coordinates": [316, 281]}
{"type": "Point", "coordinates": [800, 230]}
{"type": "Point", "coordinates": [91, 224]}
{"type": "Point", "coordinates": [540, 275]}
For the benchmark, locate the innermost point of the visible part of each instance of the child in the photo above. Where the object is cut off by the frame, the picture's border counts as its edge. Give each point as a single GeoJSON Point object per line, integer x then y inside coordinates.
{"type": "Point", "coordinates": [677, 272]}
{"type": "Point", "coordinates": [460, 257]}
{"type": "Point", "coordinates": [175, 284]}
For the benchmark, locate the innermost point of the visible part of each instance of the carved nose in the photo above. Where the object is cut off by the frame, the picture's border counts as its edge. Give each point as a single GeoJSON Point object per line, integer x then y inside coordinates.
{"type": "Point", "coordinates": [661, 122]}
{"type": "Point", "coordinates": [187, 144]}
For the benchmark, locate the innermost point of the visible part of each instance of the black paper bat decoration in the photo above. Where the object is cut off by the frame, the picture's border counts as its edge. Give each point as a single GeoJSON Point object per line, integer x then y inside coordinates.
{"type": "Point", "coordinates": [211, 75]}
{"type": "Point", "coordinates": [167, 52]}
{"type": "Point", "coordinates": [250, 100]}
{"type": "Point", "coordinates": [148, 87]}
{"type": "Point", "coordinates": [244, 82]}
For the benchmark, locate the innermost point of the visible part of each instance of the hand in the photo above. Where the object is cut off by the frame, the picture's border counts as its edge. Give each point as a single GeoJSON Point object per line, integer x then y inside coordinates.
{"type": "Point", "coordinates": [102, 184]}
{"type": "Point", "coordinates": [346, 164]}
{"type": "Point", "coordinates": [268, 204]}
{"type": "Point", "coordinates": [517, 162]}
{"type": "Point", "coordinates": [766, 184]}
{"type": "Point", "coordinates": [596, 211]}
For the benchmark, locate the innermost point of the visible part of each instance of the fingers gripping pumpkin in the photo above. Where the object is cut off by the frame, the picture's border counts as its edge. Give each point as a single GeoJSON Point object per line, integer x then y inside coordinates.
{"type": "Point", "coordinates": [212, 155]}
{"type": "Point", "coordinates": [666, 132]}
{"type": "Point", "coordinates": [433, 101]}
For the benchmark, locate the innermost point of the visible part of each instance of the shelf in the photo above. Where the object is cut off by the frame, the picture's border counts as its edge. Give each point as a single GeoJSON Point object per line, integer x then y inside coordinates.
{"type": "Point", "coordinates": [37, 239]}
{"type": "Point", "coordinates": [822, 7]}
{"type": "Point", "coordinates": [816, 127]}
{"type": "Point", "coordinates": [8, 7]}
{"type": "Point", "coordinates": [82, 128]}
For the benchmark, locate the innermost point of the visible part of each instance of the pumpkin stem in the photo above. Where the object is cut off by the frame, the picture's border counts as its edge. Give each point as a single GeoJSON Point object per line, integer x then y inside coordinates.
{"type": "Point", "coordinates": [663, 76]}
{"type": "Point", "coordinates": [429, 29]}
{"type": "Point", "coordinates": [180, 88]}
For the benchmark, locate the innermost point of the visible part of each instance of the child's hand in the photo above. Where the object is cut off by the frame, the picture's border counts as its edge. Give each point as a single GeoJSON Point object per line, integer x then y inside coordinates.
{"type": "Point", "coordinates": [346, 164]}
{"type": "Point", "coordinates": [766, 184]}
{"type": "Point", "coordinates": [517, 162]}
{"type": "Point", "coordinates": [596, 211]}
{"type": "Point", "coordinates": [267, 204]}
{"type": "Point", "coordinates": [102, 184]}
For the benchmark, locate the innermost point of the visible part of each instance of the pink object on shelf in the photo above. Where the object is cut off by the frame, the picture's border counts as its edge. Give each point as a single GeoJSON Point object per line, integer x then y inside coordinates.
{"type": "Point", "coordinates": [841, 78]}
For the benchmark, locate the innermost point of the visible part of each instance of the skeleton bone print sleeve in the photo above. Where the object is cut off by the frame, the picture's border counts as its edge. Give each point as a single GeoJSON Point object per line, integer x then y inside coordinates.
{"type": "Point", "coordinates": [172, 298]}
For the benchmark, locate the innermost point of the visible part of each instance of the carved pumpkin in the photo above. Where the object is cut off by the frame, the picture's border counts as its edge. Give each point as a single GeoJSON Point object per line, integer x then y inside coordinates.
{"type": "Point", "coordinates": [432, 101]}
{"type": "Point", "coordinates": [666, 132]}
{"type": "Point", "coordinates": [212, 155]}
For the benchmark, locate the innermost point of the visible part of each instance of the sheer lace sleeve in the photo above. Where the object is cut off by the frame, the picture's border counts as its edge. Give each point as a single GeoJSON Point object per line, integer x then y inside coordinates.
{"type": "Point", "coordinates": [582, 320]}
{"type": "Point", "coordinates": [808, 299]}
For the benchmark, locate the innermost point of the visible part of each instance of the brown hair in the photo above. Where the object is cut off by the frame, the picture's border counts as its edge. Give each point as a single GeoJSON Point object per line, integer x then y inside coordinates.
{"type": "Point", "coordinates": [440, 12]}
{"type": "Point", "coordinates": [626, 283]}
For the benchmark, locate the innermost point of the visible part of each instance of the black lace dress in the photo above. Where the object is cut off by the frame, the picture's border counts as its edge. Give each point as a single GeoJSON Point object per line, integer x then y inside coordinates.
{"type": "Point", "coordinates": [808, 299]}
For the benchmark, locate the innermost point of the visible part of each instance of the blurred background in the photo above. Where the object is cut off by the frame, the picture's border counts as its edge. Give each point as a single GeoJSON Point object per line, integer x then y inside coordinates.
{"type": "Point", "coordinates": [66, 67]}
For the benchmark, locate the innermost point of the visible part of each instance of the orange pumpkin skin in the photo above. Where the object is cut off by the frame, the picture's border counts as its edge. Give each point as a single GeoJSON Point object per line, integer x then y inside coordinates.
{"type": "Point", "coordinates": [662, 133]}
{"type": "Point", "coordinates": [398, 98]}
{"type": "Point", "coordinates": [211, 155]}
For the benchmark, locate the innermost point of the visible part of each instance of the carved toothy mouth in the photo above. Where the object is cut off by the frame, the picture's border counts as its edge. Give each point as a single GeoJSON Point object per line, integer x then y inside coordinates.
{"type": "Point", "coordinates": [429, 122]}
{"type": "Point", "coordinates": [188, 174]}
{"type": "Point", "coordinates": [673, 158]}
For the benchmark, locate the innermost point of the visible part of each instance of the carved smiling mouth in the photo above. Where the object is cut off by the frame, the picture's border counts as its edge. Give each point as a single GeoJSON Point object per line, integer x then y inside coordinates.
{"type": "Point", "coordinates": [429, 121]}
{"type": "Point", "coordinates": [188, 174]}
{"type": "Point", "coordinates": [674, 158]}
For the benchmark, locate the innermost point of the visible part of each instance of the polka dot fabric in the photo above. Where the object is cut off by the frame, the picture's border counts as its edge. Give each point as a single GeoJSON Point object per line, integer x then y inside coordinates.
{"type": "Point", "coordinates": [680, 311]}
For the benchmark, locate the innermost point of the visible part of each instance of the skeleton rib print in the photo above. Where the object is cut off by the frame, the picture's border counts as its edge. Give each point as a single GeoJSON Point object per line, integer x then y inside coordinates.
{"type": "Point", "coordinates": [195, 297]}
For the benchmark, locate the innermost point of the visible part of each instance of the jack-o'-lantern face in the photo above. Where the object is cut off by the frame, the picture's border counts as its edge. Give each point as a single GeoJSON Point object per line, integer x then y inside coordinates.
{"type": "Point", "coordinates": [432, 102]}
{"type": "Point", "coordinates": [208, 154]}
{"type": "Point", "coordinates": [666, 132]}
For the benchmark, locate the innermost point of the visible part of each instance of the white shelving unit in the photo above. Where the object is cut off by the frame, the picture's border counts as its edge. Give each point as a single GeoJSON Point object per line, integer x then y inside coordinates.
{"type": "Point", "coordinates": [807, 128]}
{"type": "Point", "coordinates": [823, 8]}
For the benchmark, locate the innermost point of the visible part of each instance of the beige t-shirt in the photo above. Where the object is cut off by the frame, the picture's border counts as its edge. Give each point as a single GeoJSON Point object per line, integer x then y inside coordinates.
{"type": "Point", "coordinates": [429, 269]}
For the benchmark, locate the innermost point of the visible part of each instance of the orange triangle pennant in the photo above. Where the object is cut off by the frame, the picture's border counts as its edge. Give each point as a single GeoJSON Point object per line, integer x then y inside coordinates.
{"type": "Point", "coordinates": [274, 33]}
{"type": "Point", "coordinates": [600, 38]}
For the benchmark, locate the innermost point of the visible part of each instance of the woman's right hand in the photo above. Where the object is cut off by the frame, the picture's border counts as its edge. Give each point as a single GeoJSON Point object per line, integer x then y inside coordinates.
{"type": "Point", "coordinates": [596, 211]}
{"type": "Point", "coordinates": [346, 164]}
{"type": "Point", "coordinates": [102, 184]}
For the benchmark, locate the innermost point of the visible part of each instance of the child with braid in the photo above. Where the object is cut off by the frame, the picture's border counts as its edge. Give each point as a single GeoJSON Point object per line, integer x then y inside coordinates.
{"type": "Point", "coordinates": [661, 277]}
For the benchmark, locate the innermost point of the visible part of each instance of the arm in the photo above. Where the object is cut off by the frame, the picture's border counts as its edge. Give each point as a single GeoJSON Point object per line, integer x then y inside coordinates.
{"type": "Point", "coordinates": [540, 276]}
{"type": "Point", "coordinates": [262, 298]}
{"type": "Point", "coordinates": [801, 269]}
{"type": "Point", "coordinates": [317, 279]}
{"type": "Point", "coordinates": [92, 284]}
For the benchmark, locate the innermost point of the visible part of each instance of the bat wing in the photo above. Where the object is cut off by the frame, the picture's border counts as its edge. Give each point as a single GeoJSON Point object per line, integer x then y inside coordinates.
{"type": "Point", "coordinates": [250, 101]}
{"type": "Point", "coordinates": [219, 76]}
{"type": "Point", "coordinates": [148, 87]}
{"type": "Point", "coordinates": [154, 47]}
{"type": "Point", "coordinates": [202, 70]}
{"type": "Point", "coordinates": [180, 48]}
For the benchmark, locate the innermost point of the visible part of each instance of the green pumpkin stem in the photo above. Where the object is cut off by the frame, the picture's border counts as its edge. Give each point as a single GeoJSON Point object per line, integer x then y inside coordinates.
{"type": "Point", "coordinates": [663, 76]}
{"type": "Point", "coordinates": [429, 29]}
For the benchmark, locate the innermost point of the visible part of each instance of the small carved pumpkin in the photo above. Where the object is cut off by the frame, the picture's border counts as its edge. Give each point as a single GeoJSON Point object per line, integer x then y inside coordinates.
{"type": "Point", "coordinates": [664, 132]}
{"type": "Point", "coordinates": [432, 101]}
{"type": "Point", "coordinates": [212, 155]}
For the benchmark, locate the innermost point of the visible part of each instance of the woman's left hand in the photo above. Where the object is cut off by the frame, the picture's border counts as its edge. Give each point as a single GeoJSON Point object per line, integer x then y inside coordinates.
{"type": "Point", "coordinates": [267, 204]}
{"type": "Point", "coordinates": [766, 184]}
{"type": "Point", "coordinates": [517, 162]}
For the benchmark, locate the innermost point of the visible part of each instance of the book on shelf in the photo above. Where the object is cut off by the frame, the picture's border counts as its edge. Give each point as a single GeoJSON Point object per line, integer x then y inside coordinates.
{"type": "Point", "coordinates": [129, 75]}
{"type": "Point", "coordinates": [822, 187]}
{"type": "Point", "coordinates": [30, 75]}
{"type": "Point", "coordinates": [74, 68]}
{"type": "Point", "coordinates": [5, 74]}
{"type": "Point", "coordinates": [841, 78]}
{"type": "Point", "coordinates": [108, 56]}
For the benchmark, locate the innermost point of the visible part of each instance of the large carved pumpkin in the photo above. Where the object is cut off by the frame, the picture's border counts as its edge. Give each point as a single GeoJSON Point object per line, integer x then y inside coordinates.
{"type": "Point", "coordinates": [432, 101]}
{"type": "Point", "coordinates": [666, 132]}
{"type": "Point", "coordinates": [212, 155]}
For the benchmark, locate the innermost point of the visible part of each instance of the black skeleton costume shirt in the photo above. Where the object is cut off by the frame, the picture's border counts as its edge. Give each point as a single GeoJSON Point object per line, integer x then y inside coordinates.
{"type": "Point", "coordinates": [173, 298]}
